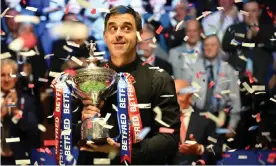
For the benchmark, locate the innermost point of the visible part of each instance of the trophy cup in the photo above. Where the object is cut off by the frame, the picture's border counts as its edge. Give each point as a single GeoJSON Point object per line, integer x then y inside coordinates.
{"type": "Point", "coordinates": [94, 82]}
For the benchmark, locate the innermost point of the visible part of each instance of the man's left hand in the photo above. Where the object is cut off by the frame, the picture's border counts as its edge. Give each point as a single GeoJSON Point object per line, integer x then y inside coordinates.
{"type": "Point", "coordinates": [112, 146]}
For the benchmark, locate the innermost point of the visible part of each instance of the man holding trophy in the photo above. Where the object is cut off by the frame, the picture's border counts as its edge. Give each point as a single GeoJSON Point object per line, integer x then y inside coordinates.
{"type": "Point", "coordinates": [126, 98]}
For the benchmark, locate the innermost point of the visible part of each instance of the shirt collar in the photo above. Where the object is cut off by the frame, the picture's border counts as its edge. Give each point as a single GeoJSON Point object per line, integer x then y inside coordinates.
{"type": "Point", "coordinates": [188, 111]}
{"type": "Point", "coordinates": [146, 59]}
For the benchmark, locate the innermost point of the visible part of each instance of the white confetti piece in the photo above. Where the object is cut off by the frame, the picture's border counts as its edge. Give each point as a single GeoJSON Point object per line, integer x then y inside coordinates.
{"type": "Point", "coordinates": [42, 159]}
{"type": "Point", "coordinates": [238, 1]}
{"type": "Point", "coordinates": [178, 25]}
{"type": "Point", "coordinates": [103, 10]}
{"type": "Point", "coordinates": [242, 157]}
{"type": "Point", "coordinates": [48, 56]}
{"type": "Point", "coordinates": [41, 127]}
{"type": "Point", "coordinates": [31, 8]}
{"type": "Point", "coordinates": [22, 162]}
{"type": "Point", "coordinates": [272, 99]}
{"type": "Point", "coordinates": [107, 116]}
{"type": "Point", "coordinates": [265, 133]}
{"type": "Point", "coordinates": [152, 45]}
{"type": "Point", "coordinates": [115, 107]}
{"type": "Point", "coordinates": [27, 19]}
{"type": "Point", "coordinates": [71, 29]}
{"type": "Point", "coordinates": [154, 67]}
{"type": "Point", "coordinates": [200, 17]}
{"type": "Point", "coordinates": [258, 145]}
{"type": "Point", "coordinates": [210, 146]}
{"type": "Point", "coordinates": [54, 74]}
{"type": "Point", "coordinates": [71, 43]}
{"type": "Point", "coordinates": [144, 106]}
{"type": "Point", "coordinates": [203, 35]}
{"type": "Point", "coordinates": [49, 90]}
{"type": "Point", "coordinates": [143, 133]}
{"type": "Point", "coordinates": [76, 109]}
{"type": "Point", "coordinates": [250, 45]}
{"type": "Point", "coordinates": [10, 140]}
{"type": "Point", "coordinates": [3, 33]}
{"type": "Point", "coordinates": [161, 122]}
{"type": "Point", "coordinates": [29, 53]}
{"type": "Point", "coordinates": [89, 142]}
{"type": "Point", "coordinates": [42, 79]}
{"type": "Point", "coordinates": [8, 16]}
{"type": "Point", "coordinates": [243, 57]}
{"type": "Point", "coordinates": [108, 126]}
{"type": "Point", "coordinates": [225, 91]}
{"type": "Point", "coordinates": [206, 13]}
{"type": "Point", "coordinates": [225, 147]}
{"type": "Point", "coordinates": [232, 150]}
{"type": "Point", "coordinates": [101, 161]}
{"type": "Point", "coordinates": [272, 39]}
{"type": "Point", "coordinates": [17, 44]}
{"type": "Point", "coordinates": [5, 55]}
{"type": "Point", "coordinates": [69, 157]}
{"type": "Point", "coordinates": [247, 87]}
{"type": "Point", "coordinates": [240, 35]}
{"type": "Point", "coordinates": [212, 117]}
{"type": "Point", "coordinates": [67, 49]}
{"type": "Point", "coordinates": [138, 36]}
{"type": "Point", "coordinates": [230, 139]}
{"type": "Point", "coordinates": [220, 8]}
{"type": "Point", "coordinates": [112, 155]}
{"type": "Point", "coordinates": [190, 142]}
{"type": "Point", "coordinates": [244, 12]}
{"type": "Point", "coordinates": [186, 38]}
{"type": "Point", "coordinates": [66, 132]}
{"type": "Point", "coordinates": [154, 40]}
{"type": "Point", "coordinates": [99, 53]}
{"type": "Point", "coordinates": [258, 88]}
{"type": "Point", "coordinates": [76, 60]}
{"type": "Point", "coordinates": [212, 139]}
{"type": "Point", "coordinates": [4, 12]}
{"type": "Point", "coordinates": [167, 96]}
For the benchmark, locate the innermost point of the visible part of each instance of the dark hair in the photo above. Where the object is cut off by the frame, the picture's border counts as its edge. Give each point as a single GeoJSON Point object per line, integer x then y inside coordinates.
{"type": "Point", "coordinates": [124, 10]}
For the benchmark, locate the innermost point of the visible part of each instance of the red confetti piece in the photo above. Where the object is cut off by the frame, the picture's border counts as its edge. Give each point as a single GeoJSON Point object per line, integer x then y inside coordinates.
{"type": "Point", "coordinates": [227, 110]}
{"type": "Point", "coordinates": [190, 4]}
{"type": "Point", "coordinates": [250, 76]}
{"type": "Point", "coordinates": [48, 151]}
{"type": "Point", "coordinates": [246, 148]}
{"type": "Point", "coordinates": [258, 117]}
{"type": "Point", "coordinates": [166, 35]}
{"type": "Point", "coordinates": [30, 85]}
{"type": "Point", "coordinates": [226, 155]}
{"type": "Point", "coordinates": [67, 9]}
{"type": "Point", "coordinates": [166, 130]}
{"type": "Point", "coordinates": [49, 142]}
{"type": "Point", "coordinates": [221, 74]}
{"type": "Point", "coordinates": [202, 162]}
{"type": "Point", "coordinates": [198, 75]}
{"type": "Point", "coordinates": [160, 28]}
{"type": "Point", "coordinates": [29, 40]}
{"type": "Point", "coordinates": [24, 2]}
{"type": "Point", "coordinates": [271, 157]}
{"type": "Point", "coordinates": [93, 11]}
{"type": "Point", "coordinates": [41, 150]}
{"type": "Point", "coordinates": [211, 84]}
{"type": "Point", "coordinates": [269, 12]}
{"type": "Point", "coordinates": [148, 61]}
{"type": "Point", "coordinates": [217, 96]}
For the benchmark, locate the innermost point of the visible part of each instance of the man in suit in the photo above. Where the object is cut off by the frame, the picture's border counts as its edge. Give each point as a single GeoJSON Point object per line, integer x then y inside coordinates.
{"type": "Point", "coordinates": [194, 127]}
{"type": "Point", "coordinates": [216, 82]}
{"type": "Point", "coordinates": [150, 50]}
{"type": "Point", "coordinates": [186, 54]}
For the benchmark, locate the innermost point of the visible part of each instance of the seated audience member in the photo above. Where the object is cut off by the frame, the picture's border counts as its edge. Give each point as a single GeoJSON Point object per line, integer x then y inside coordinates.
{"type": "Point", "coordinates": [214, 76]}
{"type": "Point", "coordinates": [194, 127]}
{"type": "Point", "coordinates": [18, 117]}
{"type": "Point", "coordinates": [185, 55]}
{"type": "Point", "coordinates": [61, 55]}
{"type": "Point", "coordinates": [151, 52]}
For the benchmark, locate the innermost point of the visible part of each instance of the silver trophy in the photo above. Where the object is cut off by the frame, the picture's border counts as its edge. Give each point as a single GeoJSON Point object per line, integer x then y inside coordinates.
{"type": "Point", "coordinates": [94, 82]}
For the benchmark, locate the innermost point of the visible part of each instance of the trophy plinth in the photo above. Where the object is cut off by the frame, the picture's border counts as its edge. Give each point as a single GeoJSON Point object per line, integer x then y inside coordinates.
{"type": "Point", "coordinates": [94, 82]}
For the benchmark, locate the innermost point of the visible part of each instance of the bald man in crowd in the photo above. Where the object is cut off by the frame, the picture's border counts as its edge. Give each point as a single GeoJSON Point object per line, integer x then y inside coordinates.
{"type": "Point", "coordinates": [194, 127]}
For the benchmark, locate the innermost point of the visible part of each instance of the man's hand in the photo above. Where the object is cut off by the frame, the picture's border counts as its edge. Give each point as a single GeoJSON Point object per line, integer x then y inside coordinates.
{"type": "Point", "coordinates": [89, 110]}
{"type": "Point", "coordinates": [194, 149]}
{"type": "Point", "coordinates": [112, 146]}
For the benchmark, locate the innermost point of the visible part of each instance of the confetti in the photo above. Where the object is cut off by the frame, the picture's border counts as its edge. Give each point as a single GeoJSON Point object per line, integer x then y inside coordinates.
{"type": "Point", "coordinates": [240, 35]}
{"type": "Point", "coordinates": [144, 106]}
{"type": "Point", "coordinates": [42, 79]}
{"type": "Point", "coordinates": [67, 48]}
{"type": "Point", "coordinates": [41, 150]}
{"type": "Point", "coordinates": [27, 19]}
{"type": "Point", "coordinates": [154, 40]}
{"type": "Point", "coordinates": [160, 28]}
{"type": "Point", "coordinates": [154, 67]}
{"type": "Point", "coordinates": [49, 142]}
{"type": "Point", "coordinates": [250, 45]}
{"type": "Point", "coordinates": [203, 35]}
{"type": "Point", "coordinates": [212, 117]}
{"type": "Point", "coordinates": [186, 38]}
{"type": "Point", "coordinates": [48, 56]}
{"type": "Point", "coordinates": [258, 145]}
{"type": "Point", "coordinates": [5, 55]}
{"type": "Point", "coordinates": [166, 130]}
{"type": "Point", "coordinates": [48, 151]}
{"type": "Point", "coordinates": [252, 128]}
{"type": "Point", "coordinates": [66, 132]}
{"type": "Point", "coordinates": [152, 45]}
{"type": "Point", "coordinates": [243, 57]}
{"type": "Point", "coordinates": [244, 13]}
{"type": "Point", "coordinates": [232, 150]}
{"type": "Point", "coordinates": [143, 133]}
{"type": "Point", "coordinates": [200, 17]}
{"type": "Point", "coordinates": [271, 157]}
{"type": "Point", "coordinates": [238, 1]}
{"type": "Point", "coordinates": [84, 4]}
{"type": "Point", "coordinates": [115, 107]}
{"type": "Point", "coordinates": [138, 36]}
{"type": "Point", "coordinates": [99, 53]}
{"type": "Point", "coordinates": [69, 157]}
{"type": "Point", "coordinates": [220, 8]}
{"type": "Point", "coordinates": [167, 96]}
{"type": "Point", "coordinates": [76, 109]}
{"type": "Point", "coordinates": [31, 8]}
{"type": "Point", "coordinates": [211, 84]}
{"type": "Point", "coordinates": [206, 13]}
{"type": "Point", "coordinates": [76, 60]}
{"type": "Point", "coordinates": [196, 85]}
{"type": "Point", "coordinates": [230, 139]}
{"type": "Point", "coordinates": [71, 43]}
{"type": "Point", "coordinates": [10, 140]}
{"type": "Point", "coordinates": [272, 99]}
{"type": "Point", "coordinates": [158, 117]}
{"type": "Point", "coordinates": [41, 127]}
{"type": "Point", "coordinates": [265, 133]}
{"type": "Point", "coordinates": [112, 155]}
{"type": "Point", "coordinates": [104, 10]}
{"type": "Point", "coordinates": [72, 29]}
{"type": "Point", "coordinates": [225, 91]}
{"type": "Point", "coordinates": [49, 90]}
{"type": "Point", "coordinates": [17, 44]}
{"type": "Point", "coordinates": [22, 162]}
{"type": "Point", "coordinates": [258, 88]}
{"type": "Point", "coordinates": [247, 87]}
{"type": "Point", "coordinates": [222, 131]}
{"type": "Point", "coordinates": [234, 42]}
{"type": "Point", "coordinates": [107, 116]}
{"type": "Point", "coordinates": [29, 53]}
{"type": "Point", "coordinates": [54, 74]}
{"type": "Point", "coordinates": [93, 11]}
{"type": "Point", "coordinates": [101, 161]}
{"type": "Point", "coordinates": [212, 139]}
{"type": "Point", "coordinates": [242, 157]}
{"type": "Point", "coordinates": [4, 12]}
{"type": "Point", "coordinates": [190, 142]}
{"type": "Point", "coordinates": [178, 25]}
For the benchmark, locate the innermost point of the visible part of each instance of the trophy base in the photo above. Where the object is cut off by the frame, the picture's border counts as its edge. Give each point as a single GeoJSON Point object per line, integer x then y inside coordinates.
{"type": "Point", "coordinates": [97, 141]}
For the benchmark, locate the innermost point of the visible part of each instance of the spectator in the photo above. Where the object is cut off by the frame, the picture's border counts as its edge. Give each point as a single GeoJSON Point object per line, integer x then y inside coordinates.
{"type": "Point", "coordinates": [185, 55]}
{"type": "Point", "coordinates": [24, 127]}
{"type": "Point", "coordinates": [213, 76]}
{"type": "Point", "coordinates": [153, 56]}
{"type": "Point", "coordinates": [220, 20]}
{"type": "Point", "coordinates": [195, 128]}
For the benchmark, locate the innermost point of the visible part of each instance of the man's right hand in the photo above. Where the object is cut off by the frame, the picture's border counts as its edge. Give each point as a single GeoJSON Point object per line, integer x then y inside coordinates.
{"type": "Point", "coordinates": [89, 110]}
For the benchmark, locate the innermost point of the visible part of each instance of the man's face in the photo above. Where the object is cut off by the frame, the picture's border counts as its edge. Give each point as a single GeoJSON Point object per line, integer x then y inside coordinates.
{"type": "Point", "coordinates": [253, 13]}
{"type": "Point", "coordinates": [7, 82]}
{"type": "Point", "coordinates": [193, 32]}
{"type": "Point", "coordinates": [120, 34]}
{"type": "Point", "coordinates": [182, 99]}
{"type": "Point", "coordinates": [145, 45]}
{"type": "Point", "coordinates": [180, 11]}
{"type": "Point", "coordinates": [226, 4]}
{"type": "Point", "coordinates": [12, 25]}
{"type": "Point", "coordinates": [211, 47]}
